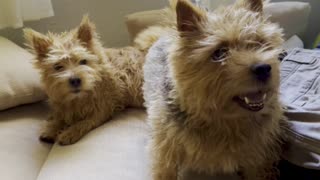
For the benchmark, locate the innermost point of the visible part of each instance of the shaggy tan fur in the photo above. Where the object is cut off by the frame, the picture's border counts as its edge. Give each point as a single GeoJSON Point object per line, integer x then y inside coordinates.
{"type": "Point", "coordinates": [193, 104]}
{"type": "Point", "coordinates": [149, 36]}
{"type": "Point", "coordinates": [145, 39]}
{"type": "Point", "coordinates": [111, 80]}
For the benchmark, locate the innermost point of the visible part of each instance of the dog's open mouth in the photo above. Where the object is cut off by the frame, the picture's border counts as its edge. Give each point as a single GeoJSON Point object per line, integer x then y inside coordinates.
{"type": "Point", "coordinates": [253, 101]}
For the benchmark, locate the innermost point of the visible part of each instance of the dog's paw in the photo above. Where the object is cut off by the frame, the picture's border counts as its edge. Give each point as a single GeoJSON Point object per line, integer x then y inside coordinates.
{"type": "Point", "coordinates": [68, 137]}
{"type": "Point", "coordinates": [47, 138]}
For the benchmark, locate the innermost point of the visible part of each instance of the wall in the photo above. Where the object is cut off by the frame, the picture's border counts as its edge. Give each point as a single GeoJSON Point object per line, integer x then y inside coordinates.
{"type": "Point", "coordinates": [109, 16]}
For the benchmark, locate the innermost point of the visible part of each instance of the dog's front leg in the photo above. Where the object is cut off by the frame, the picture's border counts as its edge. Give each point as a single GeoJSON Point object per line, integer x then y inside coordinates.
{"type": "Point", "coordinates": [51, 130]}
{"type": "Point", "coordinates": [165, 160]}
{"type": "Point", "coordinates": [76, 131]}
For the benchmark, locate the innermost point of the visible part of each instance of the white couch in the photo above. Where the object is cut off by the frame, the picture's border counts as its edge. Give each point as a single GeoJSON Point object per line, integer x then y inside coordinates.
{"type": "Point", "coordinates": [114, 151]}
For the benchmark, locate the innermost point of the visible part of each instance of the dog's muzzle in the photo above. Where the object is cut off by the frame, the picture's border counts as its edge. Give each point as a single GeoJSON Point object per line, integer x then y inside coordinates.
{"type": "Point", "coordinates": [262, 72]}
{"type": "Point", "coordinates": [253, 101]}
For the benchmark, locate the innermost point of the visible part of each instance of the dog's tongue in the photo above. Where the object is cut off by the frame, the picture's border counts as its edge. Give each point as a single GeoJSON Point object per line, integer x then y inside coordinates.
{"type": "Point", "coordinates": [254, 97]}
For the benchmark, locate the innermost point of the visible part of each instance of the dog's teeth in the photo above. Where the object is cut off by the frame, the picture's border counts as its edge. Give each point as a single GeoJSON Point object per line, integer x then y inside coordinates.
{"type": "Point", "coordinates": [255, 104]}
{"type": "Point", "coordinates": [264, 96]}
{"type": "Point", "coordinates": [247, 100]}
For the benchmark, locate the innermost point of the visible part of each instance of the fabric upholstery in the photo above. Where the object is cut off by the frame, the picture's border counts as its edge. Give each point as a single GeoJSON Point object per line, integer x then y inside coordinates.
{"type": "Point", "coordinates": [114, 151]}
{"type": "Point", "coordinates": [22, 154]}
{"type": "Point", "coordinates": [19, 81]}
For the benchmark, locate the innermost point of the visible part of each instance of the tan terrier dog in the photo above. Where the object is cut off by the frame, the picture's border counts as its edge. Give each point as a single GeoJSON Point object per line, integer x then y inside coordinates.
{"type": "Point", "coordinates": [86, 84]}
{"type": "Point", "coordinates": [211, 91]}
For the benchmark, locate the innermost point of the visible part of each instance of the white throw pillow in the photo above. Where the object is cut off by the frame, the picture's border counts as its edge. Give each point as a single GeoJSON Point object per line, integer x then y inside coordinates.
{"type": "Point", "coordinates": [19, 81]}
{"type": "Point", "coordinates": [293, 42]}
{"type": "Point", "coordinates": [291, 16]}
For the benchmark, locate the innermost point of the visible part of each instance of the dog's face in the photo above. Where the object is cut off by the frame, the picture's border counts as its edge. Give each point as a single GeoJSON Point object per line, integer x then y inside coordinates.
{"type": "Point", "coordinates": [226, 59]}
{"type": "Point", "coordinates": [68, 63]}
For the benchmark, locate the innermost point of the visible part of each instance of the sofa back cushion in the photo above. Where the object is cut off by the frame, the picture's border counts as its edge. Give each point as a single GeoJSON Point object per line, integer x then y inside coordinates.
{"type": "Point", "coordinates": [291, 16]}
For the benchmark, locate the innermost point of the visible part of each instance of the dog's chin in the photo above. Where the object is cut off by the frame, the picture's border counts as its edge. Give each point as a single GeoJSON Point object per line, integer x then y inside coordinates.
{"type": "Point", "coordinates": [76, 91]}
{"type": "Point", "coordinates": [252, 101]}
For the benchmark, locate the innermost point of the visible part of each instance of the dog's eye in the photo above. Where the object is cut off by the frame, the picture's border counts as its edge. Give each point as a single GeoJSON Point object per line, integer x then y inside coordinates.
{"type": "Point", "coordinates": [83, 62]}
{"type": "Point", "coordinates": [219, 55]}
{"type": "Point", "coordinates": [57, 67]}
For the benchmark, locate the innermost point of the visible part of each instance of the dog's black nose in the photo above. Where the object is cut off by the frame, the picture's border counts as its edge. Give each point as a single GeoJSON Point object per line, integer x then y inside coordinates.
{"type": "Point", "coordinates": [75, 82]}
{"type": "Point", "coordinates": [261, 71]}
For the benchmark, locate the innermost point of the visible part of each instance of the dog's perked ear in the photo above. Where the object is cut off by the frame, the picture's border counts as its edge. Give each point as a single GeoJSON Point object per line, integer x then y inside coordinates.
{"type": "Point", "coordinates": [86, 31]}
{"type": "Point", "coordinates": [189, 17]}
{"type": "Point", "coordinates": [38, 43]}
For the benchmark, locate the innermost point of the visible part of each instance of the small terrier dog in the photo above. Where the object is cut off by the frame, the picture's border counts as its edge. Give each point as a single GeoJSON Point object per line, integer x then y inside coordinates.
{"type": "Point", "coordinates": [86, 84]}
{"type": "Point", "coordinates": [211, 92]}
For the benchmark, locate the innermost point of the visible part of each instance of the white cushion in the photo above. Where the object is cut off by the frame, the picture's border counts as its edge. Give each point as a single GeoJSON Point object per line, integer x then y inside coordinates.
{"type": "Point", "coordinates": [19, 81]}
{"type": "Point", "coordinates": [114, 151]}
{"type": "Point", "coordinates": [21, 153]}
{"type": "Point", "coordinates": [291, 16]}
{"type": "Point", "coordinates": [293, 42]}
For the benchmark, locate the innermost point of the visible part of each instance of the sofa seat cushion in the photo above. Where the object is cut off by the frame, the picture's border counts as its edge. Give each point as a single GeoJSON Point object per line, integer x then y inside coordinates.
{"type": "Point", "coordinates": [114, 151]}
{"type": "Point", "coordinates": [22, 154]}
